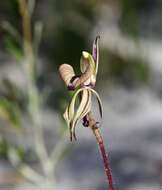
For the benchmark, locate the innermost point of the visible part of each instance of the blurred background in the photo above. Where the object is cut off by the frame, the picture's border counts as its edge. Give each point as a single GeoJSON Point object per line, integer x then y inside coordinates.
{"type": "Point", "coordinates": [128, 81]}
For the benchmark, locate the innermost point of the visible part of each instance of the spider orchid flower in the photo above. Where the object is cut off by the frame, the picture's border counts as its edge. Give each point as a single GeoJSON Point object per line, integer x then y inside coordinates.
{"type": "Point", "coordinates": [84, 84]}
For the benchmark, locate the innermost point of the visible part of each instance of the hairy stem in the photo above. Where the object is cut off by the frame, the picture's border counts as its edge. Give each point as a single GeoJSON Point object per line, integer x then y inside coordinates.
{"type": "Point", "coordinates": [99, 139]}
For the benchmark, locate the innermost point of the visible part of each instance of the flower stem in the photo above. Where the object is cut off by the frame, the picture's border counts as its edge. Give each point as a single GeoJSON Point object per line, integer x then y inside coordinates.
{"type": "Point", "coordinates": [99, 139]}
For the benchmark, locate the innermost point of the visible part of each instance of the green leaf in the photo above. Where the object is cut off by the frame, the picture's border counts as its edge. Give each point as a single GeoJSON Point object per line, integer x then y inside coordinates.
{"type": "Point", "coordinates": [13, 49]}
{"type": "Point", "coordinates": [3, 147]}
{"type": "Point", "coordinates": [12, 31]}
{"type": "Point", "coordinates": [9, 111]}
{"type": "Point", "coordinates": [12, 90]}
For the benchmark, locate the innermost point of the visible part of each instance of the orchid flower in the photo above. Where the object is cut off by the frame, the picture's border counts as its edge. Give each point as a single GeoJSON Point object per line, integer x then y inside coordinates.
{"type": "Point", "coordinates": [84, 84]}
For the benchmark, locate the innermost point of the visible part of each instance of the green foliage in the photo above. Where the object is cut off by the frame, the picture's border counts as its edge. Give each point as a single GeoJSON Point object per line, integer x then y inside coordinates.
{"type": "Point", "coordinates": [12, 48]}
{"type": "Point", "coordinates": [3, 148]}
{"type": "Point", "coordinates": [21, 153]}
{"type": "Point", "coordinates": [12, 31]}
{"type": "Point", "coordinates": [10, 112]}
{"type": "Point", "coordinates": [14, 93]}
{"type": "Point", "coordinates": [18, 155]}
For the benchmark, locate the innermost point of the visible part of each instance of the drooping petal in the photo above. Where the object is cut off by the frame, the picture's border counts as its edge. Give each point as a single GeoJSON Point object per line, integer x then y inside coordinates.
{"type": "Point", "coordinates": [99, 102]}
{"type": "Point", "coordinates": [95, 52]}
{"type": "Point", "coordinates": [73, 116]}
{"type": "Point", "coordinates": [70, 110]}
{"type": "Point", "coordinates": [83, 109]}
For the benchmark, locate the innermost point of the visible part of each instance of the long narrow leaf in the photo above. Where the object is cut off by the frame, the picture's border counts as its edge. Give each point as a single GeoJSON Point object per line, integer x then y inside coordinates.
{"type": "Point", "coordinates": [10, 112]}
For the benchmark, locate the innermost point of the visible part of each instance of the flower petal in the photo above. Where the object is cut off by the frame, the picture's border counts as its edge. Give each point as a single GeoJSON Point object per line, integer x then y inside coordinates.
{"type": "Point", "coordinates": [70, 110]}
{"type": "Point", "coordinates": [99, 102]}
{"type": "Point", "coordinates": [88, 68]}
{"type": "Point", "coordinates": [95, 52]}
{"type": "Point", "coordinates": [66, 72]}
{"type": "Point", "coordinates": [83, 109]}
{"type": "Point", "coordinates": [73, 116]}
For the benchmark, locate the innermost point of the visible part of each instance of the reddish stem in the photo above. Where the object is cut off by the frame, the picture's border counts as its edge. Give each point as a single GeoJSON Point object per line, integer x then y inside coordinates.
{"type": "Point", "coordinates": [106, 163]}
{"type": "Point", "coordinates": [102, 149]}
{"type": "Point", "coordinates": [107, 167]}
